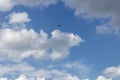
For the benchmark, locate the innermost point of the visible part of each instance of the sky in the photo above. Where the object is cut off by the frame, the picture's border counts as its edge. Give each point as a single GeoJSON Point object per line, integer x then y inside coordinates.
{"type": "Point", "coordinates": [84, 47]}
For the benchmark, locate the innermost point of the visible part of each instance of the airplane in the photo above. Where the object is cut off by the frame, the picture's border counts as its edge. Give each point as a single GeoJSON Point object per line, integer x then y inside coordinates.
{"type": "Point", "coordinates": [58, 25]}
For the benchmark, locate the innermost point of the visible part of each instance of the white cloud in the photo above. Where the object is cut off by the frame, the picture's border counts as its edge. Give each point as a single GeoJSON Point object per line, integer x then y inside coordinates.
{"type": "Point", "coordinates": [86, 79]}
{"type": "Point", "coordinates": [38, 78]}
{"type": "Point", "coordinates": [108, 29]}
{"type": "Point", "coordinates": [104, 29]}
{"type": "Point", "coordinates": [82, 69]}
{"type": "Point", "coordinates": [13, 69]}
{"type": "Point", "coordinates": [3, 79]}
{"type": "Point", "coordinates": [78, 5]}
{"type": "Point", "coordinates": [27, 72]}
{"type": "Point", "coordinates": [59, 77]}
{"type": "Point", "coordinates": [27, 43]}
{"type": "Point", "coordinates": [22, 77]}
{"type": "Point", "coordinates": [6, 5]}
{"type": "Point", "coordinates": [31, 3]}
{"type": "Point", "coordinates": [23, 71]}
{"type": "Point", "coordinates": [21, 17]}
{"type": "Point", "coordinates": [67, 78]}
{"type": "Point", "coordinates": [103, 78]}
{"type": "Point", "coordinates": [113, 72]}
{"type": "Point", "coordinates": [53, 75]}
{"type": "Point", "coordinates": [94, 8]}
{"type": "Point", "coordinates": [97, 9]}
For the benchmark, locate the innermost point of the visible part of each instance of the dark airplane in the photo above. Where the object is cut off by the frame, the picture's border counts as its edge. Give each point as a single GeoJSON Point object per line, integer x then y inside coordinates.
{"type": "Point", "coordinates": [58, 25]}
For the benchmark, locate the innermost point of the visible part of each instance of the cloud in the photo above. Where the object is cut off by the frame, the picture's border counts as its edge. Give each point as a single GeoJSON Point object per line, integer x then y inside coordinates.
{"type": "Point", "coordinates": [67, 78]}
{"type": "Point", "coordinates": [62, 42]}
{"type": "Point", "coordinates": [22, 77]}
{"type": "Point", "coordinates": [27, 43]}
{"type": "Point", "coordinates": [103, 78]}
{"type": "Point", "coordinates": [21, 17]}
{"type": "Point", "coordinates": [77, 5]}
{"type": "Point", "coordinates": [31, 3]}
{"type": "Point", "coordinates": [3, 79]}
{"type": "Point", "coordinates": [107, 29]}
{"type": "Point", "coordinates": [15, 69]}
{"type": "Point", "coordinates": [33, 44]}
{"type": "Point", "coordinates": [16, 20]}
{"type": "Point", "coordinates": [113, 72]}
{"type": "Point", "coordinates": [110, 73]}
{"type": "Point", "coordinates": [98, 9]}
{"type": "Point", "coordinates": [82, 69]}
{"type": "Point", "coordinates": [94, 8]}
{"type": "Point", "coordinates": [6, 5]}
{"type": "Point", "coordinates": [40, 78]}
{"type": "Point", "coordinates": [53, 75]}
{"type": "Point", "coordinates": [18, 44]}
{"type": "Point", "coordinates": [27, 72]}
{"type": "Point", "coordinates": [86, 79]}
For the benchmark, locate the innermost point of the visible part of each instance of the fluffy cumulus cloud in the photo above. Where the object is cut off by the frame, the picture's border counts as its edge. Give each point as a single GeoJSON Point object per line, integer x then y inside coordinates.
{"type": "Point", "coordinates": [98, 9]}
{"type": "Point", "coordinates": [82, 69]}
{"type": "Point", "coordinates": [22, 77]}
{"type": "Point", "coordinates": [110, 73]}
{"type": "Point", "coordinates": [27, 72]}
{"type": "Point", "coordinates": [67, 78]}
{"type": "Point", "coordinates": [19, 44]}
{"type": "Point", "coordinates": [16, 20]}
{"type": "Point", "coordinates": [14, 69]}
{"type": "Point", "coordinates": [103, 78]}
{"type": "Point", "coordinates": [6, 5]}
{"type": "Point", "coordinates": [3, 79]}
{"type": "Point", "coordinates": [27, 43]}
{"type": "Point", "coordinates": [52, 75]}
{"type": "Point", "coordinates": [113, 72]}
{"type": "Point", "coordinates": [21, 17]}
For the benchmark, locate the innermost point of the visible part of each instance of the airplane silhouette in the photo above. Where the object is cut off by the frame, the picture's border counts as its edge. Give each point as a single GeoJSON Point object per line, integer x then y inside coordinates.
{"type": "Point", "coordinates": [58, 25]}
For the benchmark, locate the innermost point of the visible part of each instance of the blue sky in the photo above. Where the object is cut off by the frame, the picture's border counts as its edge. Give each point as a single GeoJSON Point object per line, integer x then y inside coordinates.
{"type": "Point", "coordinates": [84, 47]}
